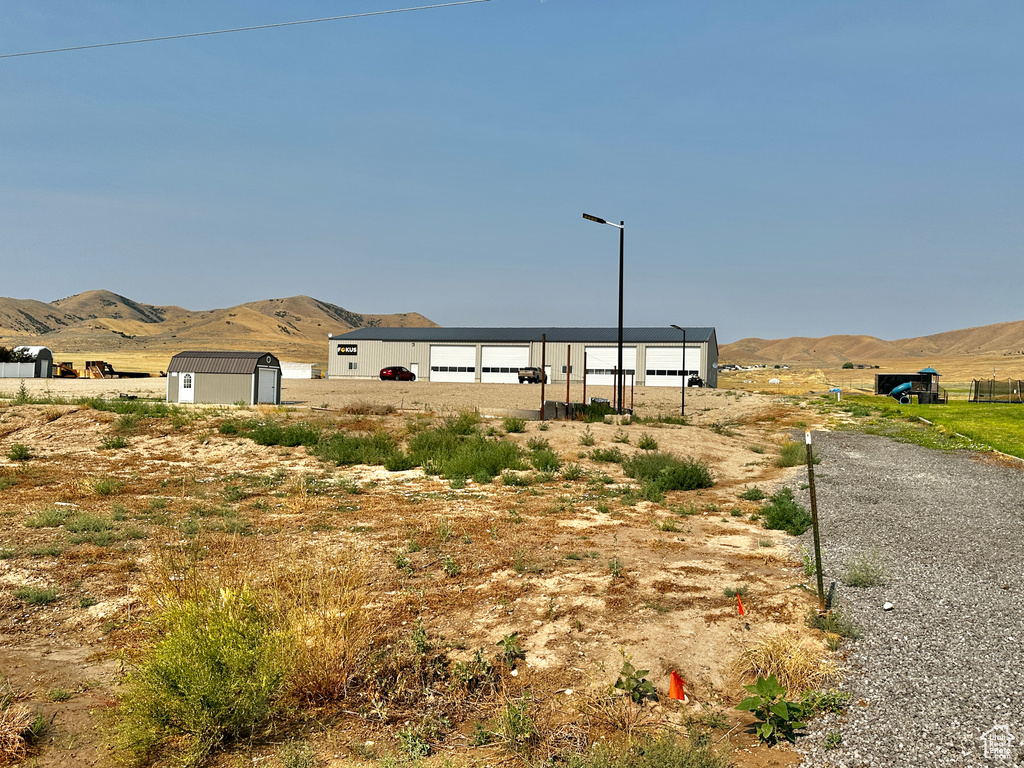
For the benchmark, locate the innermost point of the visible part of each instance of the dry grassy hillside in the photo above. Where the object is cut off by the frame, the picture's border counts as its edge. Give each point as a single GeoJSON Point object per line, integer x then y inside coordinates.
{"type": "Point", "coordinates": [134, 336]}
{"type": "Point", "coordinates": [990, 341]}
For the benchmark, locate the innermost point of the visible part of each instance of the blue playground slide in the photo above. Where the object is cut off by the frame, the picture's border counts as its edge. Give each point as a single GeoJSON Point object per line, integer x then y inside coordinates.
{"type": "Point", "coordinates": [900, 392]}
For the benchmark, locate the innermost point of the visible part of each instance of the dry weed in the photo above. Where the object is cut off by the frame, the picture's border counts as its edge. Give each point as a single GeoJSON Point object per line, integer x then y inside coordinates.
{"type": "Point", "coordinates": [363, 408]}
{"type": "Point", "coordinates": [15, 730]}
{"type": "Point", "coordinates": [607, 714]}
{"type": "Point", "coordinates": [322, 606]}
{"type": "Point", "coordinates": [798, 663]}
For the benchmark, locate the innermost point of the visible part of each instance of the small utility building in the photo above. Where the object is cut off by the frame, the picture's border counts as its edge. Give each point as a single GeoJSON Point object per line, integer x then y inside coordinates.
{"type": "Point", "coordinates": [651, 357]}
{"type": "Point", "coordinates": [35, 363]}
{"type": "Point", "coordinates": [224, 377]}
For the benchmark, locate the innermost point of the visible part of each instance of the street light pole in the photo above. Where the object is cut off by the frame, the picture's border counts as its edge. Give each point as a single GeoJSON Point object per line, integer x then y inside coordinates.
{"type": "Point", "coordinates": [682, 397]}
{"type": "Point", "coordinates": [620, 377]}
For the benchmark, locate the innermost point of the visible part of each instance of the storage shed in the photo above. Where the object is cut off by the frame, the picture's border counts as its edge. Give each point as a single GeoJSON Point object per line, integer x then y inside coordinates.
{"type": "Point", "coordinates": [37, 364]}
{"type": "Point", "coordinates": [224, 377]}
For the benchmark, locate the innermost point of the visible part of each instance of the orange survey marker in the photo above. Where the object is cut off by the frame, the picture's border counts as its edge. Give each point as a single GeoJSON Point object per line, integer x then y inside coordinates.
{"type": "Point", "coordinates": [739, 604]}
{"type": "Point", "coordinates": [677, 687]}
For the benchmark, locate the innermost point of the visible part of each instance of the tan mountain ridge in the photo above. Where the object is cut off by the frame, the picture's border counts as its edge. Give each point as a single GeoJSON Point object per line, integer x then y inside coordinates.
{"type": "Point", "coordinates": [115, 328]}
{"type": "Point", "coordinates": [997, 340]}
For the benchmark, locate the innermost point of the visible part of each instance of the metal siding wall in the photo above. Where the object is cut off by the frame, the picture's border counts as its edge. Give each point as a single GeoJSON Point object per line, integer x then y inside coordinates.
{"type": "Point", "coordinates": [374, 355]}
{"type": "Point", "coordinates": [224, 387]}
{"type": "Point", "coordinates": [172, 388]}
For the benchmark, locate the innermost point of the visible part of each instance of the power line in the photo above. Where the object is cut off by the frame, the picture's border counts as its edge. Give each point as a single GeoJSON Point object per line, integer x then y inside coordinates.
{"type": "Point", "coordinates": [241, 29]}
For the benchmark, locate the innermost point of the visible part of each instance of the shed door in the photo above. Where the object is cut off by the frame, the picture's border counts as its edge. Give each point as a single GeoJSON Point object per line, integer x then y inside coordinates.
{"type": "Point", "coordinates": [665, 363]}
{"type": "Point", "coordinates": [266, 385]}
{"type": "Point", "coordinates": [452, 363]}
{"type": "Point", "coordinates": [601, 363]}
{"type": "Point", "coordinates": [186, 388]}
{"type": "Point", "coordinates": [500, 365]}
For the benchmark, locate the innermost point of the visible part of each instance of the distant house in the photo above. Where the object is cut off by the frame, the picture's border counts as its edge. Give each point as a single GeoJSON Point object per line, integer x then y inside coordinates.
{"type": "Point", "coordinates": [37, 363]}
{"type": "Point", "coordinates": [224, 377]}
{"type": "Point", "coordinates": [301, 371]}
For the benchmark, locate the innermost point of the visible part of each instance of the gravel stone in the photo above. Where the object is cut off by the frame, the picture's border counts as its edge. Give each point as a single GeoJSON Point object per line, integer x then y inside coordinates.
{"type": "Point", "coordinates": [932, 676]}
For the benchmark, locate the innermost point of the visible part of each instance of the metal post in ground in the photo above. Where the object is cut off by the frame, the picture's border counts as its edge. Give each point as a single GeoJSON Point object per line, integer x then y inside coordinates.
{"type": "Point", "coordinates": [814, 523]}
{"type": "Point", "coordinates": [543, 370]}
{"type": "Point", "coordinates": [568, 375]}
{"type": "Point", "coordinates": [584, 376]}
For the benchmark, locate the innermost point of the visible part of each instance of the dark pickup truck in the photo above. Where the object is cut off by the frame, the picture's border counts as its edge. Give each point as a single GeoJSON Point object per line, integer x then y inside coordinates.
{"type": "Point", "coordinates": [531, 376]}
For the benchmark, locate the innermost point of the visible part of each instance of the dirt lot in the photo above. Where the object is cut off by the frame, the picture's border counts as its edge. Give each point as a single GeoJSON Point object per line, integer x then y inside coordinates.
{"type": "Point", "coordinates": [581, 572]}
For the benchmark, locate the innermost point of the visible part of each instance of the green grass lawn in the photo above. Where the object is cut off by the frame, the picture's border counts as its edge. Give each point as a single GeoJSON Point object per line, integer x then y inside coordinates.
{"type": "Point", "coordinates": [985, 425]}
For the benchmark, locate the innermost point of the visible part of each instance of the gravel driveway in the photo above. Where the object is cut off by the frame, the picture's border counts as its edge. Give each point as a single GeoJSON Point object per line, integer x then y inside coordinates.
{"type": "Point", "coordinates": [932, 676]}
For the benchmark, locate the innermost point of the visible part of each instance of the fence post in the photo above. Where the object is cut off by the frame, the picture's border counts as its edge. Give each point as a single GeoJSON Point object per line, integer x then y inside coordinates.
{"type": "Point", "coordinates": [814, 523]}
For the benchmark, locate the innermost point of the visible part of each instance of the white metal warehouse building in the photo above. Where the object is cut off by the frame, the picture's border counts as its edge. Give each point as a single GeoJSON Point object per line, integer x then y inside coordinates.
{"type": "Point", "coordinates": [494, 355]}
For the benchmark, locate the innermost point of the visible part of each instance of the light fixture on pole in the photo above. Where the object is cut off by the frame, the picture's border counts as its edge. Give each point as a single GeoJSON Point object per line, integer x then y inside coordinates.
{"type": "Point", "coordinates": [620, 376]}
{"type": "Point", "coordinates": [682, 397]}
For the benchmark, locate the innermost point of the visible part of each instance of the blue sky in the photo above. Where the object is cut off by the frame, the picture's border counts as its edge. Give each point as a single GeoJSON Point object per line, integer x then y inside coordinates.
{"type": "Point", "coordinates": [784, 169]}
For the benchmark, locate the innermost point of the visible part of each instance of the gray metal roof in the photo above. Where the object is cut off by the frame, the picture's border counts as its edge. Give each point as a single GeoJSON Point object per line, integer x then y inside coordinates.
{"type": "Point", "coordinates": [208, 361]}
{"type": "Point", "coordinates": [656, 335]}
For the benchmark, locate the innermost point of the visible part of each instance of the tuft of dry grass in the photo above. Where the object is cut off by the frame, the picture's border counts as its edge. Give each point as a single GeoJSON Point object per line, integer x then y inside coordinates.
{"type": "Point", "coordinates": [16, 726]}
{"type": "Point", "coordinates": [609, 715]}
{"type": "Point", "coordinates": [798, 663]}
{"type": "Point", "coordinates": [363, 408]}
{"type": "Point", "coordinates": [322, 606]}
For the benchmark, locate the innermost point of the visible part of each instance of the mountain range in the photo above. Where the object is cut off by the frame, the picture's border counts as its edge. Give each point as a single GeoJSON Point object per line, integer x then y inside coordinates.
{"type": "Point", "coordinates": [105, 322]}
{"type": "Point", "coordinates": [102, 321]}
{"type": "Point", "coordinates": [999, 339]}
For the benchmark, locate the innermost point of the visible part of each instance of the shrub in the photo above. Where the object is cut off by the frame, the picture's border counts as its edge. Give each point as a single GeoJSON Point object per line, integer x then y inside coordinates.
{"type": "Point", "coordinates": [591, 412]}
{"type": "Point", "coordinates": [113, 442]}
{"type": "Point", "coordinates": [666, 472]}
{"type": "Point", "coordinates": [777, 718]}
{"type": "Point", "coordinates": [753, 493]}
{"type": "Point", "coordinates": [783, 513]}
{"type": "Point", "coordinates": [19, 452]}
{"type": "Point", "coordinates": [634, 683]}
{"type": "Point", "coordinates": [346, 449]}
{"type": "Point", "coordinates": [545, 460]}
{"type": "Point", "coordinates": [37, 595]}
{"type": "Point", "coordinates": [587, 437]}
{"type": "Point", "coordinates": [449, 453]}
{"type": "Point", "coordinates": [214, 677]}
{"type": "Point", "coordinates": [647, 442]}
{"type": "Point", "coordinates": [792, 454]}
{"type": "Point", "coordinates": [465, 423]}
{"type": "Point", "coordinates": [51, 517]}
{"type": "Point", "coordinates": [667, 749]}
{"type": "Point", "coordinates": [83, 522]}
{"type": "Point", "coordinates": [107, 486]}
{"type": "Point", "coordinates": [515, 479]}
{"type": "Point", "coordinates": [514, 424]}
{"type": "Point", "coordinates": [865, 569]}
{"type": "Point", "coordinates": [834, 622]}
{"type": "Point", "coordinates": [399, 461]}
{"type": "Point", "coordinates": [572, 472]}
{"type": "Point", "coordinates": [610, 455]}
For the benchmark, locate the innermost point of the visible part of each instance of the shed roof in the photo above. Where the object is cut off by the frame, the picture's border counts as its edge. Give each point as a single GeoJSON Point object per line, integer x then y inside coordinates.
{"type": "Point", "coordinates": [35, 351]}
{"type": "Point", "coordinates": [208, 361]}
{"type": "Point", "coordinates": [655, 335]}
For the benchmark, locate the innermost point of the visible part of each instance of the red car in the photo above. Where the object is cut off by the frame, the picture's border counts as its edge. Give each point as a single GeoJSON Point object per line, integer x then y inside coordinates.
{"type": "Point", "coordinates": [396, 373]}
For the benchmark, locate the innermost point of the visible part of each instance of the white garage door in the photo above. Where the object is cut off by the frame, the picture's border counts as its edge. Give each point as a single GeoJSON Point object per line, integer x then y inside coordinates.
{"type": "Point", "coordinates": [500, 365]}
{"type": "Point", "coordinates": [664, 365]}
{"type": "Point", "coordinates": [602, 361]}
{"type": "Point", "coordinates": [452, 363]}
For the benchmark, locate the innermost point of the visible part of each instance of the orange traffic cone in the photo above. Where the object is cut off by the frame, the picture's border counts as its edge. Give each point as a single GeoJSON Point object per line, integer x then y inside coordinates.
{"type": "Point", "coordinates": [677, 687]}
{"type": "Point", "coordinates": [739, 604]}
